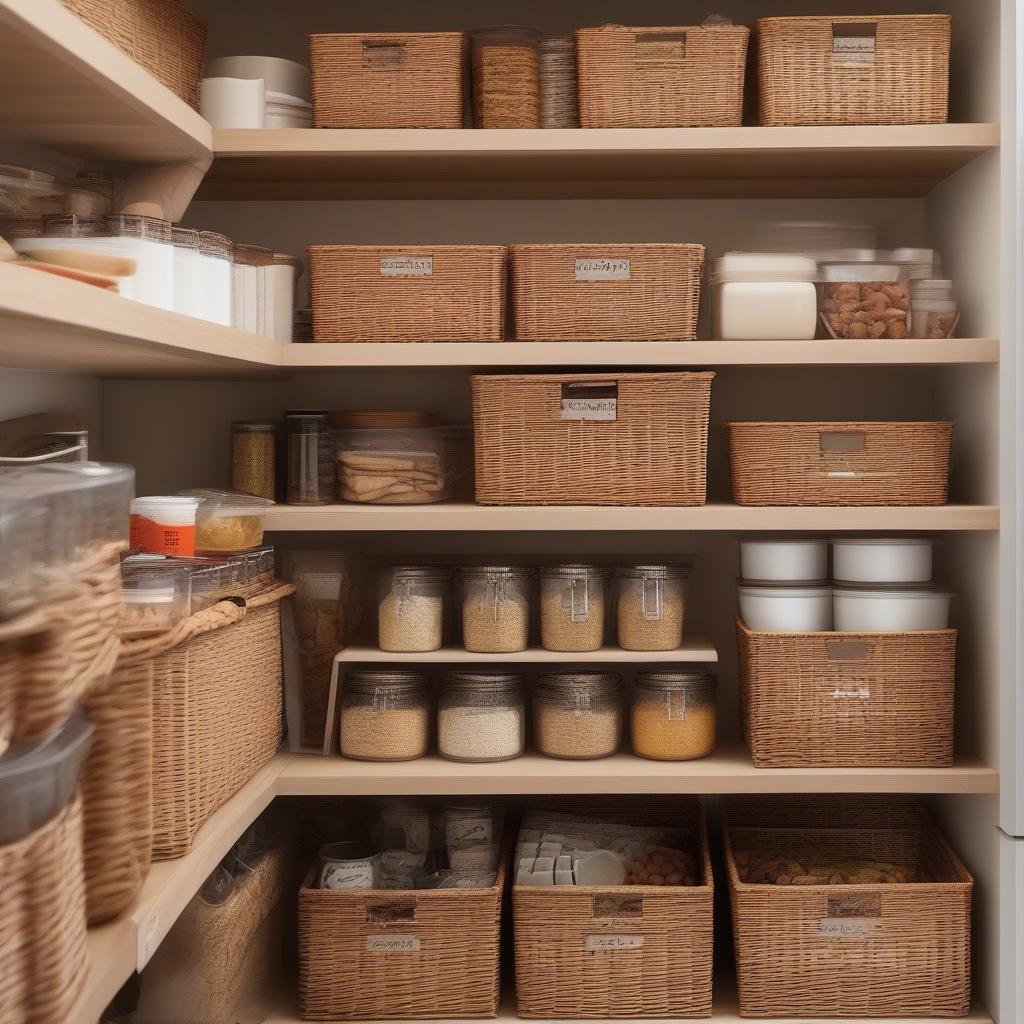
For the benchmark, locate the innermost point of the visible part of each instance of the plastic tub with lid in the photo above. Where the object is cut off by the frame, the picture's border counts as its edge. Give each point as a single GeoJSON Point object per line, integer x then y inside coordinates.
{"type": "Point", "coordinates": [765, 296]}
{"type": "Point", "coordinates": [228, 522]}
{"type": "Point", "coordinates": [882, 559]}
{"type": "Point", "coordinates": [865, 300]}
{"type": "Point", "coordinates": [784, 559]}
{"type": "Point", "coordinates": [917, 263]}
{"type": "Point", "coordinates": [891, 609]}
{"type": "Point", "coordinates": [284, 111]}
{"type": "Point", "coordinates": [155, 596]}
{"type": "Point", "coordinates": [779, 609]}
{"type": "Point", "coordinates": [165, 524]}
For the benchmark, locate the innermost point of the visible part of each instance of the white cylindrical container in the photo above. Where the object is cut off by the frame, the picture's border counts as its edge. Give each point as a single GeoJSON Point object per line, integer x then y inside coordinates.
{"type": "Point", "coordinates": [765, 297]}
{"type": "Point", "coordinates": [279, 74]}
{"type": "Point", "coordinates": [283, 111]}
{"type": "Point", "coordinates": [890, 611]}
{"type": "Point", "coordinates": [283, 275]}
{"type": "Point", "coordinates": [881, 559]}
{"type": "Point", "coordinates": [188, 272]}
{"type": "Point", "coordinates": [217, 274]}
{"type": "Point", "coordinates": [784, 560]}
{"type": "Point", "coordinates": [233, 102]}
{"type": "Point", "coordinates": [786, 609]}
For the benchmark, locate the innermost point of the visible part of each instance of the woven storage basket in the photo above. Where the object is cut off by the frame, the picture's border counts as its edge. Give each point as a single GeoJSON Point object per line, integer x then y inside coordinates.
{"type": "Point", "coordinates": [388, 80]}
{"type": "Point", "coordinates": [448, 959]}
{"type": "Point", "coordinates": [848, 699]}
{"type": "Point", "coordinates": [533, 449]}
{"type": "Point", "coordinates": [559, 92]}
{"type": "Point", "coordinates": [667, 973]}
{"type": "Point", "coordinates": [689, 77]}
{"type": "Point", "coordinates": [863, 950]}
{"type": "Point", "coordinates": [641, 292]}
{"type": "Point", "coordinates": [164, 36]}
{"type": "Point", "coordinates": [859, 463]}
{"type": "Point", "coordinates": [891, 69]}
{"type": "Point", "coordinates": [408, 292]}
{"type": "Point", "coordinates": [506, 77]}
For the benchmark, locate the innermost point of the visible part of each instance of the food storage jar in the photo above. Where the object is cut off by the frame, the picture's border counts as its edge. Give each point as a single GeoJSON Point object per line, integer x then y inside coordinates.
{"type": "Point", "coordinates": [572, 607]}
{"type": "Point", "coordinates": [864, 300]}
{"type": "Point", "coordinates": [216, 252]}
{"type": "Point", "coordinates": [765, 296]}
{"type": "Point", "coordinates": [410, 612]}
{"type": "Point", "coordinates": [155, 596]}
{"type": "Point", "coordinates": [506, 76]}
{"type": "Point", "coordinates": [164, 524]}
{"type": "Point", "coordinates": [310, 445]}
{"type": "Point", "coordinates": [496, 608]}
{"type": "Point", "coordinates": [890, 609]}
{"type": "Point", "coordinates": [673, 715]}
{"type": "Point", "coordinates": [385, 716]}
{"type": "Point", "coordinates": [881, 559]}
{"type": "Point", "coordinates": [188, 272]}
{"type": "Point", "coordinates": [779, 609]}
{"type": "Point", "coordinates": [578, 715]}
{"type": "Point", "coordinates": [253, 450]}
{"type": "Point", "coordinates": [227, 522]}
{"type": "Point", "coordinates": [649, 605]}
{"type": "Point", "coordinates": [934, 313]}
{"type": "Point", "coordinates": [351, 864]}
{"type": "Point", "coordinates": [918, 264]}
{"type": "Point", "coordinates": [783, 560]}
{"type": "Point", "coordinates": [481, 716]}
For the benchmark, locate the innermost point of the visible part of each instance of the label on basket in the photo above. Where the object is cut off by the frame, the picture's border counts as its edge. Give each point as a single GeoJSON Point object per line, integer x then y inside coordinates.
{"type": "Point", "coordinates": [848, 927]}
{"type": "Point", "coordinates": [603, 269]}
{"type": "Point", "coordinates": [468, 831]}
{"type": "Point", "coordinates": [853, 43]}
{"type": "Point", "coordinates": [863, 693]}
{"type": "Point", "coordinates": [660, 46]}
{"type": "Point", "coordinates": [407, 266]}
{"type": "Point", "coordinates": [393, 943]}
{"type": "Point", "coordinates": [595, 943]}
{"type": "Point", "coordinates": [584, 402]}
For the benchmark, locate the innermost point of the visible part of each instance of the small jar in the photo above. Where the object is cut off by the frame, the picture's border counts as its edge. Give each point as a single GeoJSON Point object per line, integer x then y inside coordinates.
{"type": "Point", "coordinates": [673, 715]}
{"type": "Point", "coordinates": [253, 445]}
{"type": "Point", "coordinates": [385, 716]}
{"type": "Point", "coordinates": [650, 601]}
{"type": "Point", "coordinates": [310, 459]}
{"type": "Point", "coordinates": [410, 612]}
{"type": "Point", "coordinates": [496, 608]}
{"type": "Point", "coordinates": [572, 599]}
{"type": "Point", "coordinates": [865, 300]}
{"type": "Point", "coordinates": [578, 715]}
{"type": "Point", "coordinates": [481, 716]}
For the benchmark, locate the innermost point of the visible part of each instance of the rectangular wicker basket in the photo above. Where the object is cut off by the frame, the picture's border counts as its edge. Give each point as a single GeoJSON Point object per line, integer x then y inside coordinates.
{"type": "Point", "coordinates": [592, 439]}
{"type": "Point", "coordinates": [641, 292]}
{"type": "Point", "coordinates": [446, 963]}
{"type": "Point", "coordinates": [848, 699]}
{"type": "Point", "coordinates": [890, 69]}
{"type": "Point", "coordinates": [855, 463]}
{"type": "Point", "coordinates": [388, 79]}
{"type": "Point", "coordinates": [408, 292]}
{"type": "Point", "coordinates": [689, 77]}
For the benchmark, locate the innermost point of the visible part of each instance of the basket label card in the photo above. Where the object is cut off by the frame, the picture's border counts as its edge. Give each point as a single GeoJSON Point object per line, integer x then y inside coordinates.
{"type": "Point", "coordinates": [848, 927]}
{"type": "Point", "coordinates": [393, 943]}
{"type": "Point", "coordinates": [601, 943]}
{"type": "Point", "coordinates": [407, 266]}
{"type": "Point", "coordinates": [853, 43]}
{"type": "Point", "coordinates": [589, 402]}
{"type": "Point", "coordinates": [603, 269]}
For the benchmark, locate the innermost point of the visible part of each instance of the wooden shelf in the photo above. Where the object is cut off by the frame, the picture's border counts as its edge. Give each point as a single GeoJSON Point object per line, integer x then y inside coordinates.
{"type": "Point", "coordinates": [804, 162]}
{"type": "Point", "coordinates": [694, 648]}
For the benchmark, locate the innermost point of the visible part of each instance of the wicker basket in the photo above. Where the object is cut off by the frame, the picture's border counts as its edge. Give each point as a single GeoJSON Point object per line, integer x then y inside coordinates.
{"type": "Point", "coordinates": [388, 80]}
{"type": "Point", "coordinates": [688, 77]}
{"type": "Point", "coordinates": [859, 463]}
{"type": "Point", "coordinates": [592, 439]}
{"type": "Point", "coordinates": [506, 77]}
{"type": "Point", "coordinates": [446, 958]}
{"type": "Point", "coordinates": [639, 292]}
{"type": "Point", "coordinates": [891, 69]}
{"type": "Point", "coordinates": [164, 36]}
{"type": "Point", "coordinates": [408, 292]}
{"type": "Point", "coordinates": [814, 700]}
{"type": "Point", "coordinates": [618, 951]}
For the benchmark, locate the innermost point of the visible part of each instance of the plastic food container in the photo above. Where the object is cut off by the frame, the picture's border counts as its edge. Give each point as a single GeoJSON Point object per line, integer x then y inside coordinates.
{"type": "Point", "coordinates": [155, 597]}
{"type": "Point", "coordinates": [890, 610]}
{"type": "Point", "coordinates": [212, 581]}
{"type": "Point", "coordinates": [881, 559]}
{"type": "Point", "coordinates": [228, 522]}
{"type": "Point", "coordinates": [865, 300]}
{"type": "Point", "coordinates": [934, 312]}
{"type": "Point", "coordinates": [481, 716]}
{"type": "Point", "coordinates": [284, 111]}
{"type": "Point", "coordinates": [578, 715]}
{"type": "Point", "coordinates": [496, 608]}
{"type": "Point", "coordinates": [784, 560]}
{"type": "Point", "coordinates": [279, 74]}
{"type": "Point", "coordinates": [572, 607]}
{"type": "Point", "coordinates": [765, 296]}
{"type": "Point", "coordinates": [310, 447]}
{"type": "Point", "coordinates": [410, 612]}
{"type": "Point", "coordinates": [673, 715]}
{"type": "Point", "coordinates": [786, 609]}
{"type": "Point", "coordinates": [385, 716]}
{"type": "Point", "coordinates": [649, 605]}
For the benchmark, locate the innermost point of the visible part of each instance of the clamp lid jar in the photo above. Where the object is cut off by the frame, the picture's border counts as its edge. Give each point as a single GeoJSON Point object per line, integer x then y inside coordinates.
{"type": "Point", "coordinates": [385, 716]}
{"type": "Point", "coordinates": [410, 612]}
{"type": "Point", "coordinates": [496, 608]}
{"type": "Point", "coordinates": [673, 714]}
{"type": "Point", "coordinates": [573, 607]}
{"type": "Point", "coordinates": [578, 715]}
{"type": "Point", "coordinates": [481, 716]}
{"type": "Point", "coordinates": [650, 602]}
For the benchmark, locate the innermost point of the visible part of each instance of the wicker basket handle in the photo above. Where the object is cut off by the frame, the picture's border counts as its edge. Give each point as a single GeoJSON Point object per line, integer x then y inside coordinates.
{"type": "Point", "coordinates": [842, 442]}
{"type": "Point", "coordinates": [29, 623]}
{"type": "Point", "coordinates": [277, 592]}
{"type": "Point", "coordinates": [392, 912]}
{"type": "Point", "coordinates": [382, 54]}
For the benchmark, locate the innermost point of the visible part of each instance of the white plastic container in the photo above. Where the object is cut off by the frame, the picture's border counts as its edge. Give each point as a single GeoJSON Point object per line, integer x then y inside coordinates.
{"type": "Point", "coordinates": [280, 75]}
{"type": "Point", "coordinates": [233, 102]}
{"type": "Point", "coordinates": [765, 296]}
{"type": "Point", "coordinates": [189, 265]}
{"type": "Point", "coordinates": [786, 609]}
{"type": "Point", "coordinates": [282, 277]}
{"type": "Point", "coordinates": [784, 560]}
{"type": "Point", "coordinates": [216, 252]}
{"type": "Point", "coordinates": [881, 559]}
{"type": "Point", "coordinates": [890, 611]}
{"type": "Point", "coordinates": [284, 111]}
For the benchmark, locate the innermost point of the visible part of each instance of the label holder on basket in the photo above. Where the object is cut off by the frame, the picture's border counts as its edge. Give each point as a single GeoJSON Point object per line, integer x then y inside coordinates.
{"type": "Point", "coordinates": [391, 913]}
{"type": "Point", "coordinates": [851, 917]}
{"type": "Point", "coordinates": [659, 47]}
{"type": "Point", "coordinates": [854, 43]}
{"type": "Point", "coordinates": [597, 401]}
{"type": "Point", "coordinates": [617, 906]}
{"type": "Point", "coordinates": [382, 55]}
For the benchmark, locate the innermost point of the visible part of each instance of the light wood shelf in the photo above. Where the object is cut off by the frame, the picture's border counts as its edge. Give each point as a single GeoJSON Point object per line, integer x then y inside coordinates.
{"type": "Point", "coordinates": [694, 648]}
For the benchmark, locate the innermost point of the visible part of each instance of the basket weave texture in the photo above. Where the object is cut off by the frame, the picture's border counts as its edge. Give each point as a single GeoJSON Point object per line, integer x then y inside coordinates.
{"type": "Point", "coordinates": [462, 298]}
{"type": "Point", "coordinates": [803, 80]}
{"type": "Point", "coordinates": [559, 90]}
{"type": "Point", "coordinates": [388, 80]}
{"type": "Point", "coordinates": [848, 699]}
{"type": "Point", "coordinates": [653, 453]}
{"type": "Point", "coordinates": [654, 297]}
{"type": "Point", "coordinates": [856, 463]}
{"type": "Point", "coordinates": [689, 77]}
{"type": "Point", "coordinates": [506, 77]}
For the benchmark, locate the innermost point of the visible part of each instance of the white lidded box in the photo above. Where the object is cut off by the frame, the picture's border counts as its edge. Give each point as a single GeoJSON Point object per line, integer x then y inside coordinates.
{"type": "Point", "coordinates": [784, 560]}
{"type": "Point", "coordinates": [876, 610]}
{"type": "Point", "coordinates": [765, 296]}
{"type": "Point", "coordinates": [881, 559]}
{"type": "Point", "coordinates": [786, 609]}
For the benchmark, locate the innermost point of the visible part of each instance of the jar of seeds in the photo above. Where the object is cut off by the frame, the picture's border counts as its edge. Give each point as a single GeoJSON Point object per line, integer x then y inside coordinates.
{"type": "Point", "coordinates": [572, 607]}
{"type": "Point", "coordinates": [410, 611]}
{"type": "Point", "coordinates": [673, 715]}
{"type": "Point", "coordinates": [649, 606]}
{"type": "Point", "coordinates": [253, 450]}
{"type": "Point", "coordinates": [496, 608]}
{"type": "Point", "coordinates": [481, 716]}
{"type": "Point", "coordinates": [578, 715]}
{"type": "Point", "coordinates": [385, 716]}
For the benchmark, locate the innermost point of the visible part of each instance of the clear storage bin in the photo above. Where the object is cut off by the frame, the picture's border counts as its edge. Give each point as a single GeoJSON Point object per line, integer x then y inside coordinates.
{"type": "Point", "coordinates": [410, 612]}
{"type": "Point", "coordinates": [385, 716]}
{"type": "Point", "coordinates": [572, 599]}
{"type": "Point", "coordinates": [649, 606]}
{"type": "Point", "coordinates": [310, 458]}
{"type": "Point", "coordinates": [496, 608]}
{"type": "Point", "coordinates": [228, 522]}
{"type": "Point", "coordinates": [673, 715]}
{"type": "Point", "coordinates": [481, 716]}
{"type": "Point", "coordinates": [155, 596]}
{"type": "Point", "coordinates": [865, 300]}
{"type": "Point", "coordinates": [578, 715]}
{"type": "Point", "coordinates": [765, 297]}
{"type": "Point", "coordinates": [933, 309]}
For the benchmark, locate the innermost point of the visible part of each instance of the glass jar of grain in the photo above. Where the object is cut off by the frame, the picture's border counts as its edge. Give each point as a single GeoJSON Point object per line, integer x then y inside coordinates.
{"type": "Point", "coordinates": [481, 716]}
{"type": "Point", "coordinates": [578, 715]}
{"type": "Point", "coordinates": [496, 608]}
{"type": "Point", "coordinates": [649, 605]}
{"type": "Point", "coordinates": [673, 715]}
{"type": "Point", "coordinates": [410, 611]}
{"type": "Point", "coordinates": [572, 607]}
{"type": "Point", "coordinates": [385, 716]}
{"type": "Point", "coordinates": [253, 448]}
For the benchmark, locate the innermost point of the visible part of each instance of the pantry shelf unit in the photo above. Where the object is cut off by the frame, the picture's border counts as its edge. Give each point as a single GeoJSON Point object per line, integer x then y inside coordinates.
{"type": "Point", "coordinates": [747, 162]}
{"type": "Point", "coordinates": [694, 648]}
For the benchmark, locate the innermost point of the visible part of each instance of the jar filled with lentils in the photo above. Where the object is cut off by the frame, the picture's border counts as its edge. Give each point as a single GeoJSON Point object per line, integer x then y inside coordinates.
{"type": "Point", "coordinates": [673, 715]}
{"type": "Point", "coordinates": [649, 605]}
{"type": "Point", "coordinates": [481, 716]}
{"type": "Point", "coordinates": [410, 610]}
{"type": "Point", "coordinates": [496, 608]}
{"type": "Point", "coordinates": [578, 715]}
{"type": "Point", "coordinates": [572, 607]}
{"type": "Point", "coordinates": [253, 457]}
{"type": "Point", "coordinates": [385, 716]}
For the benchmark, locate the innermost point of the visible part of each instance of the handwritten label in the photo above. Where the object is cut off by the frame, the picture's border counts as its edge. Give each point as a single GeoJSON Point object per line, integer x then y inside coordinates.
{"type": "Point", "coordinates": [602, 269]}
{"type": "Point", "coordinates": [407, 266]}
{"type": "Point", "coordinates": [595, 943]}
{"type": "Point", "coordinates": [848, 927]}
{"type": "Point", "coordinates": [393, 943]}
{"type": "Point", "coordinates": [853, 43]}
{"type": "Point", "coordinates": [862, 694]}
{"type": "Point", "coordinates": [468, 831]}
{"type": "Point", "coordinates": [604, 409]}
{"type": "Point", "coordinates": [354, 874]}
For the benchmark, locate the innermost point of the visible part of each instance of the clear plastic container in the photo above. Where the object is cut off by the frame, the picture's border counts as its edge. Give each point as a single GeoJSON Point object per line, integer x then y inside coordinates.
{"type": "Point", "coordinates": [253, 457]}
{"type": "Point", "coordinates": [155, 597]}
{"type": "Point", "coordinates": [481, 716]}
{"type": "Point", "coordinates": [765, 296]}
{"type": "Point", "coordinates": [189, 267]}
{"type": "Point", "coordinates": [310, 445]}
{"type": "Point", "coordinates": [934, 312]}
{"type": "Point", "coordinates": [865, 300]}
{"type": "Point", "coordinates": [164, 524]}
{"type": "Point", "coordinates": [228, 522]}
{"type": "Point", "coordinates": [673, 715]}
{"type": "Point", "coordinates": [917, 264]}
{"type": "Point", "coordinates": [385, 716]}
{"type": "Point", "coordinates": [572, 607]}
{"type": "Point", "coordinates": [496, 608]}
{"type": "Point", "coordinates": [578, 715]}
{"type": "Point", "coordinates": [22, 538]}
{"type": "Point", "coordinates": [649, 604]}
{"type": "Point", "coordinates": [283, 275]}
{"type": "Point", "coordinates": [213, 580]}
{"type": "Point", "coordinates": [216, 251]}
{"type": "Point", "coordinates": [410, 610]}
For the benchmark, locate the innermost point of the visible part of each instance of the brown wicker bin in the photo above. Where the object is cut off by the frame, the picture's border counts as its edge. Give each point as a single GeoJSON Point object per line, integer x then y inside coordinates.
{"type": "Point", "coordinates": [848, 699]}
{"type": "Point", "coordinates": [408, 292]}
{"type": "Point", "coordinates": [641, 292]}
{"type": "Point", "coordinates": [447, 958]}
{"type": "Point", "coordinates": [857, 463]}
{"type": "Point", "coordinates": [506, 76]}
{"type": "Point", "coordinates": [388, 79]}
{"type": "Point", "coordinates": [890, 69]}
{"type": "Point", "coordinates": [690, 77]}
{"type": "Point", "coordinates": [533, 447]}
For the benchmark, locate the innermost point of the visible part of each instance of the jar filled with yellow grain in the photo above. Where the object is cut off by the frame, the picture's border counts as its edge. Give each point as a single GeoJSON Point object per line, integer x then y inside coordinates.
{"type": "Point", "coordinates": [649, 605]}
{"type": "Point", "coordinates": [572, 607]}
{"type": "Point", "coordinates": [385, 716]}
{"type": "Point", "coordinates": [496, 608]}
{"type": "Point", "coordinates": [253, 447]}
{"type": "Point", "coordinates": [410, 609]}
{"type": "Point", "coordinates": [578, 715]}
{"type": "Point", "coordinates": [673, 716]}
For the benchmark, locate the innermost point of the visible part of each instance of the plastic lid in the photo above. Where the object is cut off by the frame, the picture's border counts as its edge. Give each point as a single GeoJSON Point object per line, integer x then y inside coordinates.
{"type": "Point", "coordinates": [574, 571]}
{"type": "Point", "coordinates": [218, 503]}
{"type": "Point", "coordinates": [282, 259]}
{"type": "Point", "coordinates": [776, 591]}
{"type": "Point", "coordinates": [934, 305]}
{"type": "Point", "coordinates": [654, 572]}
{"type": "Point", "coordinates": [369, 680]}
{"type": "Point", "coordinates": [561, 681]}
{"type": "Point", "coordinates": [930, 284]}
{"type": "Point", "coordinates": [842, 272]}
{"type": "Point", "coordinates": [470, 680]}
{"type": "Point", "coordinates": [752, 266]}
{"type": "Point", "coordinates": [881, 541]}
{"type": "Point", "coordinates": [496, 571]}
{"type": "Point", "coordinates": [903, 592]}
{"type": "Point", "coordinates": [285, 100]}
{"type": "Point", "coordinates": [677, 679]}
{"type": "Point", "coordinates": [166, 506]}
{"type": "Point", "coordinates": [254, 427]}
{"type": "Point", "coordinates": [379, 419]}
{"type": "Point", "coordinates": [909, 255]}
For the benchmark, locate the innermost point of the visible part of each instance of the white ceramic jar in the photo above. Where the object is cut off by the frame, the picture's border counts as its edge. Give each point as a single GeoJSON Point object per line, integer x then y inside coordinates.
{"type": "Point", "coordinates": [765, 296]}
{"type": "Point", "coordinates": [881, 559]}
{"type": "Point", "coordinates": [784, 560]}
{"type": "Point", "coordinates": [233, 102]}
{"type": "Point", "coordinates": [864, 610]}
{"type": "Point", "coordinates": [786, 609]}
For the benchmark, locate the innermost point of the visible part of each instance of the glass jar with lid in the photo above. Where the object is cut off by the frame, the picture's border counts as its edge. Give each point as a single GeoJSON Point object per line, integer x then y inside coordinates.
{"type": "Point", "coordinates": [481, 716]}
{"type": "Point", "coordinates": [310, 445]}
{"type": "Point", "coordinates": [385, 716]}
{"type": "Point", "coordinates": [578, 715]}
{"type": "Point", "coordinates": [410, 612]}
{"type": "Point", "coordinates": [649, 606]}
{"type": "Point", "coordinates": [496, 608]}
{"type": "Point", "coordinates": [253, 450]}
{"type": "Point", "coordinates": [673, 714]}
{"type": "Point", "coordinates": [572, 614]}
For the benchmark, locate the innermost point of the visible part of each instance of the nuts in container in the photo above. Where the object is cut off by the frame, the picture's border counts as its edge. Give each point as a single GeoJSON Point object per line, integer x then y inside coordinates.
{"type": "Point", "coordinates": [865, 300]}
{"type": "Point", "coordinates": [154, 595]}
